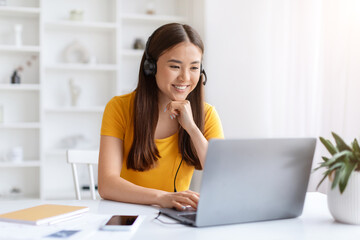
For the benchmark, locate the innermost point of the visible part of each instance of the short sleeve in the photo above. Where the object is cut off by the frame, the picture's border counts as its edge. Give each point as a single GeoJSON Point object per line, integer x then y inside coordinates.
{"type": "Point", "coordinates": [213, 127]}
{"type": "Point", "coordinates": [114, 121]}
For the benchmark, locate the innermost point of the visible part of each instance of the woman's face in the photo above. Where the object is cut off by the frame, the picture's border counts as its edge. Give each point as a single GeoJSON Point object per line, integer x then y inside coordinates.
{"type": "Point", "coordinates": [178, 71]}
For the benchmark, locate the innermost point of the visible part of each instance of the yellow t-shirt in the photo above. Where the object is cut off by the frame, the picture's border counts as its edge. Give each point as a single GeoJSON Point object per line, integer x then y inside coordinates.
{"type": "Point", "coordinates": [118, 122]}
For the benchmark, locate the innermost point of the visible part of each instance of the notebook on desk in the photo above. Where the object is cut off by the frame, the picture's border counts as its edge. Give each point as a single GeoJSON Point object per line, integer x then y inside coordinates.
{"type": "Point", "coordinates": [247, 180]}
{"type": "Point", "coordinates": [44, 214]}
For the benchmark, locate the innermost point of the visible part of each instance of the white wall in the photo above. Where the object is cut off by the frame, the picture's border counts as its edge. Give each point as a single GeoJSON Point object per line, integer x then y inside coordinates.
{"type": "Point", "coordinates": [284, 68]}
{"type": "Point", "coordinates": [262, 59]}
{"type": "Point", "coordinates": [235, 46]}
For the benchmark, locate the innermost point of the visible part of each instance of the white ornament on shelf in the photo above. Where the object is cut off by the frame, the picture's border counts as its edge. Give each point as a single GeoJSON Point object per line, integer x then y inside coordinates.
{"type": "Point", "coordinates": [14, 154]}
{"type": "Point", "coordinates": [75, 91]}
{"type": "Point", "coordinates": [92, 60]}
{"type": "Point", "coordinates": [18, 34]}
{"type": "Point", "coordinates": [150, 7]}
{"type": "Point", "coordinates": [76, 15]}
{"type": "Point", "coordinates": [76, 52]}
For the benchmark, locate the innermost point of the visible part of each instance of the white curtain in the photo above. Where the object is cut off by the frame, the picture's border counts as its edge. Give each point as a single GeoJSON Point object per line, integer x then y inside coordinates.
{"type": "Point", "coordinates": [280, 68]}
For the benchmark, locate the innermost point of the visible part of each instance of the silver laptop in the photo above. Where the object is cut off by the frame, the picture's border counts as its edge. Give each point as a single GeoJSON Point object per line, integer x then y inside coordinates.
{"type": "Point", "coordinates": [247, 180]}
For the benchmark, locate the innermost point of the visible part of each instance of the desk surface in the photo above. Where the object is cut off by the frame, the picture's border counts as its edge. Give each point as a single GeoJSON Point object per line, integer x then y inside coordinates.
{"type": "Point", "coordinates": [315, 223]}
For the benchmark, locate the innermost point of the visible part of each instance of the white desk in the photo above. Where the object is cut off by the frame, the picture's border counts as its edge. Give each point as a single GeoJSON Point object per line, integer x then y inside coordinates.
{"type": "Point", "coordinates": [315, 223]}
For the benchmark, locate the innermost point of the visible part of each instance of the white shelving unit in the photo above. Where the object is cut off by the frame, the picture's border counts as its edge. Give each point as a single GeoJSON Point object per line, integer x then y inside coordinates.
{"type": "Point", "coordinates": [24, 49]}
{"type": "Point", "coordinates": [19, 11]}
{"type": "Point", "coordinates": [93, 26]}
{"type": "Point", "coordinates": [82, 67]}
{"type": "Point", "coordinates": [38, 114]}
{"type": "Point", "coordinates": [76, 109]}
{"type": "Point", "coordinates": [29, 163]}
{"type": "Point", "coordinates": [20, 123]}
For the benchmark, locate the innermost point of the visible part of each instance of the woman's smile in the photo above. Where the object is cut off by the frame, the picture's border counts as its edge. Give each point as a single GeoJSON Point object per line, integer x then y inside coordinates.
{"type": "Point", "coordinates": [180, 88]}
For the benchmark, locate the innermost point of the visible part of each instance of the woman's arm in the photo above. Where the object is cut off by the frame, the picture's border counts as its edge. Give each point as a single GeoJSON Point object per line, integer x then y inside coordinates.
{"type": "Point", "coordinates": [200, 143]}
{"type": "Point", "coordinates": [181, 110]}
{"type": "Point", "coordinates": [113, 187]}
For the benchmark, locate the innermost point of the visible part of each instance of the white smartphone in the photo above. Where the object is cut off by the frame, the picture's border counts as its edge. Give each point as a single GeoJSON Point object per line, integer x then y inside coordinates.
{"type": "Point", "coordinates": [121, 223]}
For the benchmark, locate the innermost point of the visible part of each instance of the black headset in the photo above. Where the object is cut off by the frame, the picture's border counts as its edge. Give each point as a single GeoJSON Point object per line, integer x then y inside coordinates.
{"type": "Point", "coordinates": [150, 64]}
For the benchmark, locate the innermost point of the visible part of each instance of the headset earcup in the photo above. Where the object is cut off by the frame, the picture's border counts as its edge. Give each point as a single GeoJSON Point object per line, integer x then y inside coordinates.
{"type": "Point", "coordinates": [203, 77]}
{"type": "Point", "coordinates": [149, 67]}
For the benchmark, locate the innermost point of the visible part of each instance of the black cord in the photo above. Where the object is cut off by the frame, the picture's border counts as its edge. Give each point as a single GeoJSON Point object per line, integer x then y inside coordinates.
{"type": "Point", "coordinates": [182, 158]}
{"type": "Point", "coordinates": [157, 218]}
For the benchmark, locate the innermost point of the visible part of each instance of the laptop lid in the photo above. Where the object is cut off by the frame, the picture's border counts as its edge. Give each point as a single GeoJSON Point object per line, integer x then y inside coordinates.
{"type": "Point", "coordinates": [246, 180]}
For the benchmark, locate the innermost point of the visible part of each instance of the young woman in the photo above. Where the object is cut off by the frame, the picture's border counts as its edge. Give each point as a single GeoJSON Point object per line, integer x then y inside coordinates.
{"type": "Point", "coordinates": [153, 138]}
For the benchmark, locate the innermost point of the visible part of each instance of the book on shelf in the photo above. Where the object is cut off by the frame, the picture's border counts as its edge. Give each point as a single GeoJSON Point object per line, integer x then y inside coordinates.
{"type": "Point", "coordinates": [44, 214]}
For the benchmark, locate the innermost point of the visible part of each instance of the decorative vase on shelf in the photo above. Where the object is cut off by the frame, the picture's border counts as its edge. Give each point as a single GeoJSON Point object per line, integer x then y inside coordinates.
{"type": "Point", "coordinates": [15, 78]}
{"type": "Point", "coordinates": [345, 207]}
{"type": "Point", "coordinates": [138, 44]}
{"type": "Point", "coordinates": [150, 7]}
{"type": "Point", "coordinates": [76, 15]}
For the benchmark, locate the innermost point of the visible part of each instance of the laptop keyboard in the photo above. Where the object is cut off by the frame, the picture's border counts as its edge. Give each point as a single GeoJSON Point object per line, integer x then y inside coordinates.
{"type": "Point", "coordinates": [190, 216]}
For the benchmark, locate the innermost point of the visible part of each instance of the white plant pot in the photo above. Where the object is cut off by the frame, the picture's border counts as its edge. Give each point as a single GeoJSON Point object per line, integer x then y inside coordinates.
{"type": "Point", "coordinates": [345, 207]}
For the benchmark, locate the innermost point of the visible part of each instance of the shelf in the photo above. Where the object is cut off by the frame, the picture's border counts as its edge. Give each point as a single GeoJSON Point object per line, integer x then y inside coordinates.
{"type": "Point", "coordinates": [19, 11]}
{"type": "Point", "coordinates": [20, 49]}
{"type": "Point", "coordinates": [20, 87]}
{"type": "Point", "coordinates": [25, 163]}
{"type": "Point", "coordinates": [152, 18]}
{"type": "Point", "coordinates": [132, 53]}
{"type": "Point", "coordinates": [80, 25]}
{"type": "Point", "coordinates": [75, 109]}
{"type": "Point", "coordinates": [82, 67]}
{"type": "Point", "coordinates": [20, 125]}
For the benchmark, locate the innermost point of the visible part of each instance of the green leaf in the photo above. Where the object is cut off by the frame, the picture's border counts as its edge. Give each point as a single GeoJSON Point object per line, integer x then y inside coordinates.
{"type": "Point", "coordinates": [340, 144]}
{"type": "Point", "coordinates": [337, 157]}
{"type": "Point", "coordinates": [325, 175]}
{"type": "Point", "coordinates": [336, 165]}
{"type": "Point", "coordinates": [356, 146]}
{"type": "Point", "coordinates": [336, 179]}
{"type": "Point", "coordinates": [349, 168]}
{"type": "Point", "coordinates": [329, 146]}
{"type": "Point", "coordinates": [325, 159]}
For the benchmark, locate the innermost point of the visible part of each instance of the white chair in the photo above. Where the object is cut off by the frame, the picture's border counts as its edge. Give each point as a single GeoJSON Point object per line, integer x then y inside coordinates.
{"type": "Point", "coordinates": [88, 157]}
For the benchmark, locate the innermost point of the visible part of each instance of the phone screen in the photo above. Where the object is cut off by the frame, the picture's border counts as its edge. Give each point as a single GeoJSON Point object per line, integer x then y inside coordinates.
{"type": "Point", "coordinates": [121, 220]}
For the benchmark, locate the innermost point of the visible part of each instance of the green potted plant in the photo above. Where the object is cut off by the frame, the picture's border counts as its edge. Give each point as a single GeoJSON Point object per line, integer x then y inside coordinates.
{"type": "Point", "coordinates": [343, 171]}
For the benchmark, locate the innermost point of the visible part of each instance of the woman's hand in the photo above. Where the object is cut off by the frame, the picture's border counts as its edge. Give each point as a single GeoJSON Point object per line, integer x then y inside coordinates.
{"type": "Point", "coordinates": [179, 200]}
{"type": "Point", "coordinates": [181, 110]}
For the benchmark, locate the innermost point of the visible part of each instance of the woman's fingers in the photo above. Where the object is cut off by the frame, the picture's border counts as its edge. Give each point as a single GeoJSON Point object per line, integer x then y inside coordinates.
{"type": "Point", "coordinates": [176, 107]}
{"type": "Point", "coordinates": [187, 201]}
{"type": "Point", "coordinates": [179, 200]}
{"type": "Point", "coordinates": [181, 111]}
{"type": "Point", "coordinates": [179, 206]}
{"type": "Point", "coordinates": [186, 198]}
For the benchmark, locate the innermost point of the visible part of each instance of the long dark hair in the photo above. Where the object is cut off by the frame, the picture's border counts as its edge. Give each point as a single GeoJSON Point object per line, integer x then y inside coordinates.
{"type": "Point", "coordinates": [144, 154]}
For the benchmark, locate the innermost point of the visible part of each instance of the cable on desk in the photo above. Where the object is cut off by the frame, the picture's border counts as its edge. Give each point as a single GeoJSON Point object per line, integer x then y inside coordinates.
{"type": "Point", "coordinates": [157, 218]}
